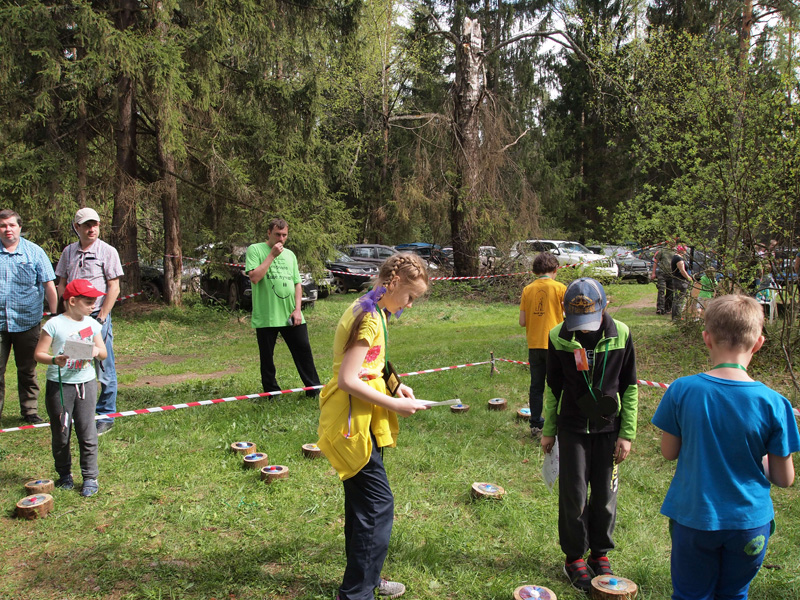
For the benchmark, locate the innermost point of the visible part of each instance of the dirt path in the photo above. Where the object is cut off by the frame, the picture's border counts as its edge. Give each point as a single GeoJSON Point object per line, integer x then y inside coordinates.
{"type": "Point", "coordinates": [128, 363]}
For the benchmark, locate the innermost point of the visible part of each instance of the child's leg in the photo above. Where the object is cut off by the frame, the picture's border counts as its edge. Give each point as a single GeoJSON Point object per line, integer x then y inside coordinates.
{"type": "Point", "coordinates": [604, 482]}
{"type": "Point", "coordinates": [573, 467]}
{"type": "Point", "coordinates": [538, 364]}
{"type": "Point", "coordinates": [742, 555]}
{"type": "Point", "coordinates": [369, 512]}
{"type": "Point", "coordinates": [59, 437]}
{"type": "Point", "coordinates": [85, 428]}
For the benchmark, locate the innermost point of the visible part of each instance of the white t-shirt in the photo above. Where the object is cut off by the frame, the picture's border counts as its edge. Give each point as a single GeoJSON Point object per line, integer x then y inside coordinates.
{"type": "Point", "coordinates": [61, 329]}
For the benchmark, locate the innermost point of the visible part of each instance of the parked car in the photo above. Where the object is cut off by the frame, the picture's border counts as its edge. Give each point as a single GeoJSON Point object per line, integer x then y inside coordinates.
{"type": "Point", "coordinates": [567, 253]}
{"type": "Point", "coordinates": [152, 278]}
{"type": "Point", "coordinates": [223, 279]}
{"type": "Point", "coordinates": [630, 266]}
{"type": "Point", "coordinates": [432, 253]}
{"type": "Point", "coordinates": [350, 274]}
{"type": "Point", "coordinates": [697, 261]}
{"type": "Point", "coordinates": [371, 253]}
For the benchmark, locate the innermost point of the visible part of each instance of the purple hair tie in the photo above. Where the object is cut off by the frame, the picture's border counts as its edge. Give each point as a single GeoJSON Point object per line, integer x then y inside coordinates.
{"type": "Point", "coordinates": [369, 301]}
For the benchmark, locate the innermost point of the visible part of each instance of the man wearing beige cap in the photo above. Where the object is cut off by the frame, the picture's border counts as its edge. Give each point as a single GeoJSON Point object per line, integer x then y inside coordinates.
{"type": "Point", "coordinates": [92, 259]}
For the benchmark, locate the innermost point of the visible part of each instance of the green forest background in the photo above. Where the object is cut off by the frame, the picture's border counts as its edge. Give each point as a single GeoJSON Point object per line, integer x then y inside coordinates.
{"type": "Point", "coordinates": [463, 123]}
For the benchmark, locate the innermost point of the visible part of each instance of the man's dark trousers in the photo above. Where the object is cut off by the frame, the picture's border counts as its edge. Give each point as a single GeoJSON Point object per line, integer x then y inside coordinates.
{"type": "Point", "coordinates": [296, 339]}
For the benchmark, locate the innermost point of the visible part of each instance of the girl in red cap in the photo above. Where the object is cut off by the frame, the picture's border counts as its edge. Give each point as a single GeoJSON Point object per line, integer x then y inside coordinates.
{"type": "Point", "coordinates": [71, 392]}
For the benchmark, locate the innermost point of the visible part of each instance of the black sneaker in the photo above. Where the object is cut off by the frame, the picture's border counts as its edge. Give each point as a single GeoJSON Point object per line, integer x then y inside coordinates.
{"type": "Point", "coordinates": [104, 427]}
{"type": "Point", "coordinates": [578, 573]}
{"type": "Point", "coordinates": [34, 419]}
{"type": "Point", "coordinates": [600, 565]}
{"type": "Point", "coordinates": [65, 482]}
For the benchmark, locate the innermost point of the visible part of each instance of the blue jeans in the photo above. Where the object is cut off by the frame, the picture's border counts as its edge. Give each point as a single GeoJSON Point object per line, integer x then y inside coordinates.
{"type": "Point", "coordinates": [107, 374]}
{"type": "Point", "coordinates": [715, 565]}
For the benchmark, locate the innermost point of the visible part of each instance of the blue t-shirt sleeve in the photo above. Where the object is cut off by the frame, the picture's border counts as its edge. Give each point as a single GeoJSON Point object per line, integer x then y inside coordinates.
{"type": "Point", "coordinates": [665, 417]}
{"type": "Point", "coordinates": [785, 438]}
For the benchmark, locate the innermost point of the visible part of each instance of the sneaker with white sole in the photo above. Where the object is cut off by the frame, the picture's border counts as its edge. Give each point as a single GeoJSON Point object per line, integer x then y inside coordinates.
{"type": "Point", "coordinates": [391, 589]}
{"type": "Point", "coordinates": [65, 482]}
{"type": "Point", "coordinates": [89, 488]}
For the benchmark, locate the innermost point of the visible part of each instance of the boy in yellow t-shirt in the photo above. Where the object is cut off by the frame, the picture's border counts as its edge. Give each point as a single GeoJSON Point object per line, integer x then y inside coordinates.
{"type": "Point", "coordinates": [540, 309]}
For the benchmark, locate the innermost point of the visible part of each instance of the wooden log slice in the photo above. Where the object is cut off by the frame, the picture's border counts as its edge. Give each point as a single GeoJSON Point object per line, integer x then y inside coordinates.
{"type": "Point", "coordinates": [243, 447]}
{"type": "Point", "coordinates": [524, 413]}
{"type": "Point", "coordinates": [311, 451]}
{"type": "Point", "coordinates": [527, 592]}
{"type": "Point", "coordinates": [498, 404]}
{"type": "Point", "coordinates": [40, 486]}
{"type": "Point", "coordinates": [272, 472]}
{"type": "Point", "coordinates": [256, 460]}
{"type": "Point", "coordinates": [612, 587]}
{"type": "Point", "coordinates": [486, 490]}
{"type": "Point", "coordinates": [35, 506]}
{"type": "Point", "coordinates": [459, 408]}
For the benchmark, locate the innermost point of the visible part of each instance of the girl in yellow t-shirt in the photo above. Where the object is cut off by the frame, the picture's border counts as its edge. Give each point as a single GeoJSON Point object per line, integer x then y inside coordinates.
{"type": "Point", "coordinates": [358, 418]}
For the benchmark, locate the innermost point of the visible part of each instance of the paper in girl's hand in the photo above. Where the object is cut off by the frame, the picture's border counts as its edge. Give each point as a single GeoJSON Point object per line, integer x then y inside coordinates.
{"type": "Point", "coordinates": [78, 349]}
{"type": "Point", "coordinates": [550, 466]}
{"type": "Point", "coordinates": [581, 362]}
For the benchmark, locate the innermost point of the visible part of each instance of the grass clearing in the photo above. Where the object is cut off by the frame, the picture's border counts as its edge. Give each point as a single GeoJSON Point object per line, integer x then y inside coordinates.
{"type": "Point", "coordinates": [178, 517]}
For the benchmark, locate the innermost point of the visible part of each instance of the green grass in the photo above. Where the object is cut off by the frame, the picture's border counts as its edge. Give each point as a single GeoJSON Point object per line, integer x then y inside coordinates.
{"type": "Point", "coordinates": [178, 517]}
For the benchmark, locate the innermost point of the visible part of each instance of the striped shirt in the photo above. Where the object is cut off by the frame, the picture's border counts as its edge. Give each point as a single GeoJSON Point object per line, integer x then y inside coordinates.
{"type": "Point", "coordinates": [23, 274]}
{"type": "Point", "coordinates": [98, 264]}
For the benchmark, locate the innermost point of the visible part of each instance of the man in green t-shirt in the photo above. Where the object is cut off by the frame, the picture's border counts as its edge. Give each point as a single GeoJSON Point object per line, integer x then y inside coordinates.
{"type": "Point", "coordinates": [277, 294]}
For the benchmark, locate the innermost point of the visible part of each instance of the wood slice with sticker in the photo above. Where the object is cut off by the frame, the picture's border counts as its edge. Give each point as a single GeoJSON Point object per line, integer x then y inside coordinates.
{"type": "Point", "coordinates": [256, 460]}
{"type": "Point", "coordinates": [35, 506]}
{"type": "Point", "coordinates": [527, 592]}
{"type": "Point", "coordinates": [482, 489]}
{"type": "Point", "coordinates": [459, 408]}
{"type": "Point", "coordinates": [243, 447]}
{"type": "Point", "coordinates": [311, 451]}
{"type": "Point", "coordinates": [524, 413]}
{"type": "Point", "coordinates": [612, 587]}
{"type": "Point", "coordinates": [40, 486]}
{"type": "Point", "coordinates": [498, 404]}
{"type": "Point", "coordinates": [272, 472]}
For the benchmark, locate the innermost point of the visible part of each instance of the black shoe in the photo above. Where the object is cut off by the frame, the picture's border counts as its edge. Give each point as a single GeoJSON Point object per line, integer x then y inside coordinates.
{"type": "Point", "coordinates": [600, 565]}
{"type": "Point", "coordinates": [34, 419]}
{"type": "Point", "coordinates": [103, 427]}
{"type": "Point", "coordinates": [579, 576]}
{"type": "Point", "coordinates": [659, 312]}
{"type": "Point", "coordinates": [65, 482]}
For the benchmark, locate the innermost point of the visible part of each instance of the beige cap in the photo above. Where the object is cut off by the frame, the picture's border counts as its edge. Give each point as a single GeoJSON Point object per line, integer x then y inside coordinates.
{"type": "Point", "coordinates": [86, 214]}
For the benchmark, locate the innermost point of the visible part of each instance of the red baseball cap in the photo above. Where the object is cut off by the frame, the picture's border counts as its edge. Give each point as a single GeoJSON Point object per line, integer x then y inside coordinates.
{"type": "Point", "coordinates": [81, 287]}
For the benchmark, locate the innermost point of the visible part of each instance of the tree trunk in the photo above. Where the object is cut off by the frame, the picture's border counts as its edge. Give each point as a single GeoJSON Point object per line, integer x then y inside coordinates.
{"type": "Point", "coordinates": [466, 148]}
{"type": "Point", "coordinates": [124, 229]}
{"type": "Point", "coordinates": [173, 258]}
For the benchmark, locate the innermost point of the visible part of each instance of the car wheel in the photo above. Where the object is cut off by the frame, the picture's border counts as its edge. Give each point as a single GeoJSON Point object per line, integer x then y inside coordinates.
{"type": "Point", "coordinates": [233, 296]}
{"type": "Point", "coordinates": [339, 286]}
{"type": "Point", "coordinates": [151, 291]}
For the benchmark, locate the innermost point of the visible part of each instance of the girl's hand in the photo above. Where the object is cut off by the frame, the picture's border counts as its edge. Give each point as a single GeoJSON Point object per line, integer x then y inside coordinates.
{"type": "Point", "coordinates": [95, 351]}
{"type": "Point", "coordinates": [405, 392]}
{"type": "Point", "coordinates": [547, 443]}
{"type": "Point", "coordinates": [405, 407]}
{"type": "Point", "coordinates": [61, 360]}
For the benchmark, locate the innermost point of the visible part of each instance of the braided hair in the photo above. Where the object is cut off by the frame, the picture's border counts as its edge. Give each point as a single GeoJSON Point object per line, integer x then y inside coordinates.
{"type": "Point", "coordinates": [406, 265]}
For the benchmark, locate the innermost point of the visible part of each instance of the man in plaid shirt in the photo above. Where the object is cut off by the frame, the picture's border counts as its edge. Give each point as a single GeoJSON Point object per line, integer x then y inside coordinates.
{"type": "Point", "coordinates": [26, 280]}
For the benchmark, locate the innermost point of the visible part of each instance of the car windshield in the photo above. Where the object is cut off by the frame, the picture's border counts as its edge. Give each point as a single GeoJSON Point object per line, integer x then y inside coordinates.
{"type": "Point", "coordinates": [342, 257]}
{"type": "Point", "coordinates": [574, 247]}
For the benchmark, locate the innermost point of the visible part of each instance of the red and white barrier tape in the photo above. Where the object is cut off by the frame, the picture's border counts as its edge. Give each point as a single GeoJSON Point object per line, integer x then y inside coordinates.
{"type": "Point", "coordinates": [157, 409]}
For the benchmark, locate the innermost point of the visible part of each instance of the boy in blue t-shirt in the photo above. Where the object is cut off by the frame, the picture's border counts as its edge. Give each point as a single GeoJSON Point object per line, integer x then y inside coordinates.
{"type": "Point", "coordinates": [732, 436]}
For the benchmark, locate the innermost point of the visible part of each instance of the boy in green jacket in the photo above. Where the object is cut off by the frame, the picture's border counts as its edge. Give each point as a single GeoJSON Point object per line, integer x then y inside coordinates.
{"type": "Point", "coordinates": [591, 403]}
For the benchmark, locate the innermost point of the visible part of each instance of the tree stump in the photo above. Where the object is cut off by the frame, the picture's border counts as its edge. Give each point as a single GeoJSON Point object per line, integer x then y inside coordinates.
{"type": "Point", "coordinates": [40, 486]}
{"type": "Point", "coordinates": [272, 472]}
{"type": "Point", "coordinates": [524, 414]}
{"type": "Point", "coordinates": [533, 592]}
{"type": "Point", "coordinates": [497, 404]}
{"type": "Point", "coordinates": [35, 506]}
{"type": "Point", "coordinates": [486, 490]}
{"type": "Point", "coordinates": [255, 460]}
{"type": "Point", "coordinates": [243, 447]}
{"type": "Point", "coordinates": [611, 587]}
{"type": "Point", "coordinates": [311, 451]}
{"type": "Point", "coordinates": [459, 408]}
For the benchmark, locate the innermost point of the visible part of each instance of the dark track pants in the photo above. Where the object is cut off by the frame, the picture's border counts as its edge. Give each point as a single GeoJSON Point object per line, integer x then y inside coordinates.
{"type": "Point", "coordinates": [586, 461]}
{"type": "Point", "coordinates": [537, 358]}
{"type": "Point", "coordinates": [368, 517]}
{"type": "Point", "coordinates": [79, 401]}
{"type": "Point", "coordinates": [296, 339]}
